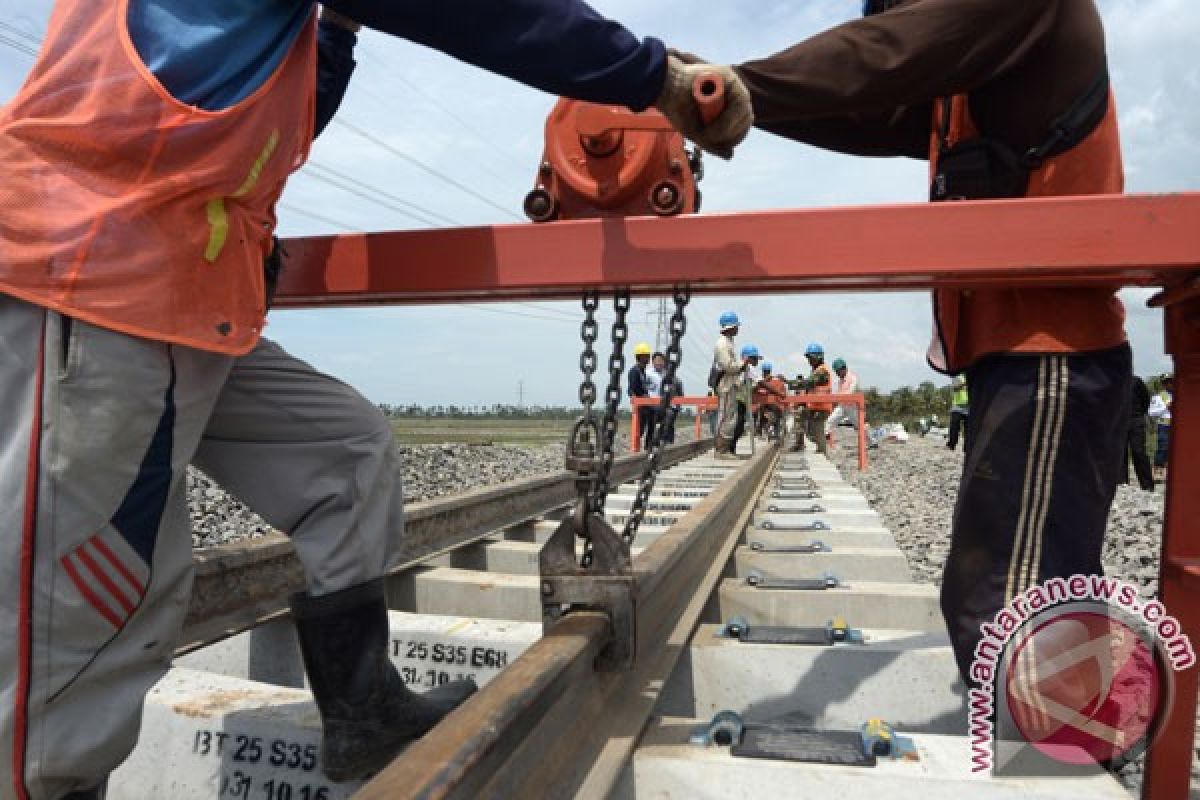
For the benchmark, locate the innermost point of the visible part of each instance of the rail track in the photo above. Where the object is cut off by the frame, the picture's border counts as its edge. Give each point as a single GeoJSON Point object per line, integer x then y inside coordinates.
{"type": "Point", "coordinates": [765, 587]}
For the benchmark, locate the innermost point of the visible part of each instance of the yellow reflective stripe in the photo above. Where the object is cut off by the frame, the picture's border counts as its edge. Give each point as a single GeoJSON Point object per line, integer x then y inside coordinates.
{"type": "Point", "coordinates": [259, 163]}
{"type": "Point", "coordinates": [218, 218]}
{"type": "Point", "coordinates": [218, 224]}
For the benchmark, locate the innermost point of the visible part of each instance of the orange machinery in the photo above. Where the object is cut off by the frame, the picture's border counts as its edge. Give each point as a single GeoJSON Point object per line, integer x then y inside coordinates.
{"type": "Point", "coordinates": [608, 161]}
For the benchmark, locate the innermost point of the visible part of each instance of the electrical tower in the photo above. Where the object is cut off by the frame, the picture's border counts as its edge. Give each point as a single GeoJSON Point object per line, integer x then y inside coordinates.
{"type": "Point", "coordinates": [660, 325]}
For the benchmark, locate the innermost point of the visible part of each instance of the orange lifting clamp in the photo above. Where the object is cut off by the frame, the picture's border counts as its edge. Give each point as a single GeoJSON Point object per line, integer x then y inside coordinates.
{"type": "Point", "coordinates": [608, 161]}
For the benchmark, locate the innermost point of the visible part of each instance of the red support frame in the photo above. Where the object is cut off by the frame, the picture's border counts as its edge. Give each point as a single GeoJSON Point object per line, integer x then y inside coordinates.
{"type": "Point", "coordinates": [1168, 768]}
{"type": "Point", "coordinates": [1126, 240]}
{"type": "Point", "coordinates": [1118, 240]}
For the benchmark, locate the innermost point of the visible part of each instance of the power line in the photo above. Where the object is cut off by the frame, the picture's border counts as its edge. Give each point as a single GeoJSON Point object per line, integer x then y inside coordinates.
{"type": "Point", "coordinates": [24, 34]}
{"type": "Point", "coordinates": [31, 35]}
{"type": "Point", "coordinates": [412, 208]}
{"type": "Point", "coordinates": [449, 112]}
{"type": "Point", "coordinates": [513, 313]}
{"type": "Point", "coordinates": [19, 46]}
{"type": "Point", "coordinates": [375, 140]}
{"type": "Point", "coordinates": [567, 314]}
{"type": "Point", "coordinates": [349, 187]}
{"type": "Point", "coordinates": [312, 215]}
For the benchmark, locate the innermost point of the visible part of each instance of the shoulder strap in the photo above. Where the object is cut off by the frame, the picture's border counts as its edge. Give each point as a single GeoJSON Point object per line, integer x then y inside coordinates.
{"type": "Point", "coordinates": [1083, 117]}
{"type": "Point", "coordinates": [943, 132]}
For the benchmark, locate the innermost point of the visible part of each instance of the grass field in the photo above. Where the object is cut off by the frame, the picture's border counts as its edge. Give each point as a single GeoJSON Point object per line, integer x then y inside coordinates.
{"type": "Point", "coordinates": [520, 432]}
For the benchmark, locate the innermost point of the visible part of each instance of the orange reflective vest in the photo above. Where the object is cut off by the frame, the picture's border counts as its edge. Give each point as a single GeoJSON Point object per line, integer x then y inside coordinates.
{"type": "Point", "coordinates": [825, 388]}
{"type": "Point", "coordinates": [969, 324]}
{"type": "Point", "coordinates": [124, 207]}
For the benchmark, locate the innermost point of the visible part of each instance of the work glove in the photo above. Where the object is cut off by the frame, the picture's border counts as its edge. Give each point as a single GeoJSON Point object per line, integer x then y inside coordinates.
{"type": "Point", "coordinates": [678, 105]}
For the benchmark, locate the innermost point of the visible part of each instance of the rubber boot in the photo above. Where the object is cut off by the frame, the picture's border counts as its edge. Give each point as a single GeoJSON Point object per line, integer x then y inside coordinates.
{"type": "Point", "coordinates": [367, 713]}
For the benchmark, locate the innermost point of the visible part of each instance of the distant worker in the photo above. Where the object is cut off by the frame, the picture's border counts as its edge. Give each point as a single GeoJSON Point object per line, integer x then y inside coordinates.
{"type": "Point", "coordinates": [658, 363]}
{"type": "Point", "coordinates": [1136, 444]}
{"type": "Point", "coordinates": [745, 391]}
{"type": "Point", "coordinates": [1160, 412]}
{"type": "Point", "coordinates": [142, 163]}
{"type": "Point", "coordinates": [769, 395]}
{"type": "Point", "coordinates": [656, 372]}
{"type": "Point", "coordinates": [798, 385]}
{"type": "Point", "coordinates": [966, 85]}
{"type": "Point", "coordinates": [816, 413]}
{"type": "Point", "coordinates": [728, 372]}
{"type": "Point", "coordinates": [960, 409]}
{"type": "Point", "coordinates": [643, 382]}
{"type": "Point", "coordinates": [846, 383]}
{"type": "Point", "coordinates": [759, 398]}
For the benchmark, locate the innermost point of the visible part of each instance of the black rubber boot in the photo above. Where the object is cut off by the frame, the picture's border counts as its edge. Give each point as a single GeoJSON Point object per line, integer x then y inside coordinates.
{"type": "Point", "coordinates": [367, 712]}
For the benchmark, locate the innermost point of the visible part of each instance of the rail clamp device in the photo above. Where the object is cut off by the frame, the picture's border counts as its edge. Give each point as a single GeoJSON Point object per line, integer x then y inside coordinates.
{"type": "Point", "coordinates": [608, 161]}
{"type": "Point", "coordinates": [606, 584]}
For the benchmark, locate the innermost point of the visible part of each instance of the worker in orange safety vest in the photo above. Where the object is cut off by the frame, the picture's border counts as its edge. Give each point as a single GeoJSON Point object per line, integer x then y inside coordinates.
{"type": "Point", "coordinates": [1004, 99]}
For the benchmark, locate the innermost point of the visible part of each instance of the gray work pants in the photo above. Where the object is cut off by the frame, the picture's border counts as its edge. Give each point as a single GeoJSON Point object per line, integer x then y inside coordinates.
{"type": "Point", "coordinates": [727, 413]}
{"type": "Point", "coordinates": [95, 543]}
{"type": "Point", "coordinates": [814, 423]}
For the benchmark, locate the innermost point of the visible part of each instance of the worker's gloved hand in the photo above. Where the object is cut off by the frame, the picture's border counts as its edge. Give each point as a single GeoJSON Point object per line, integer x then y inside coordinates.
{"type": "Point", "coordinates": [679, 106]}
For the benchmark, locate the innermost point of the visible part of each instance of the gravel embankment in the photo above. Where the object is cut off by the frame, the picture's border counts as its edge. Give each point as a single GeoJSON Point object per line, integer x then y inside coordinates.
{"type": "Point", "coordinates": [914, 485]}
{"type": "Point", "coordinates": [428, 471]}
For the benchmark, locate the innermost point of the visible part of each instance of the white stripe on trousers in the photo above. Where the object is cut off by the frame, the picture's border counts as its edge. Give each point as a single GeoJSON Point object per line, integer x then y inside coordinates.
{"type": "Point", "coordinates": [1045, 436]}
{"type": "Point", "coordinates": [1025, 559]}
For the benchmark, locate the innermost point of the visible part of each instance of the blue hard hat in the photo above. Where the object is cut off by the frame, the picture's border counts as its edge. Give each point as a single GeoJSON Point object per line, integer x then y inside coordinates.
{"type": "Point", "coordinates": [729, 320]}
{"type": "Point", "coordinates": [814, 349]}
{"type": "Point", "coordinates": [749, 351]}
{"type": "Point", "coordinates": [768, 367]}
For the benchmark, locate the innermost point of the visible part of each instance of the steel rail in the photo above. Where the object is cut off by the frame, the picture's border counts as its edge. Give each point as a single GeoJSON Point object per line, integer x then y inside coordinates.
{"type": "Point", "coordinates": [242, 584]}
{"type": "Point", "coordinates": [551, 725]}
{"type": "Point", "coordinates": [1105, 240]}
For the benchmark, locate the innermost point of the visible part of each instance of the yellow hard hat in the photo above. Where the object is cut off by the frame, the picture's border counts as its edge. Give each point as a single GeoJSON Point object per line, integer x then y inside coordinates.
{"type": "Point", "coordinates": [641, 349]}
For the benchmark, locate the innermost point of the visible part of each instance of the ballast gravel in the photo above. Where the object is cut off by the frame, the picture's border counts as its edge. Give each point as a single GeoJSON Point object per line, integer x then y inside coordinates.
{"type": "Point", "coordinates": [429, 471]}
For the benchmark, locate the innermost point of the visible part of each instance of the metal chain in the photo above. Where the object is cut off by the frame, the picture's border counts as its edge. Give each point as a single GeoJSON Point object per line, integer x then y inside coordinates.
{"type": "Point", "coordinates": [587, 359]}
{"type": "Point", "coordinates": [612, 397]}
{"type": "Point", "coordinates": [667, 411]}
{"type": "Point", "coordinates": [598, 493]}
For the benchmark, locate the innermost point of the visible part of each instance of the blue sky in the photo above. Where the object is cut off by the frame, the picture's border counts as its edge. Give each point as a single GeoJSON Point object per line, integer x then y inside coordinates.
{"type": "Point", "coordinates": [484, 132]}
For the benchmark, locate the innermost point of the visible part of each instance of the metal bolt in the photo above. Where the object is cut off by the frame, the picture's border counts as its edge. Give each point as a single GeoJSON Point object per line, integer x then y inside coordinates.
{"type": "Point", "coordinates": [540, 205]}
{"type": "Point", "coordinates": [665, 198]}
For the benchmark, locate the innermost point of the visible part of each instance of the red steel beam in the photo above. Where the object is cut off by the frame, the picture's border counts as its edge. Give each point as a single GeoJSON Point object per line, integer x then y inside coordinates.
{"type": "Point", "coordinates": [1124, 239]}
